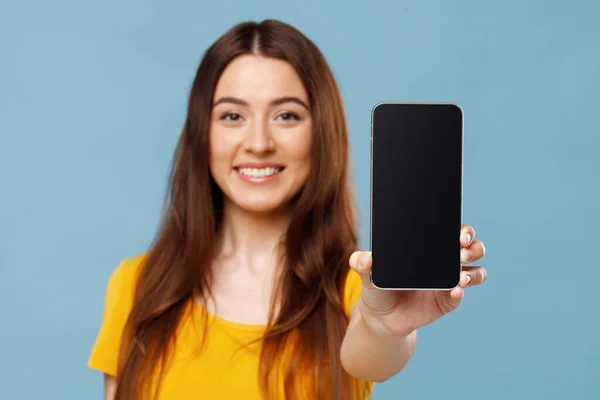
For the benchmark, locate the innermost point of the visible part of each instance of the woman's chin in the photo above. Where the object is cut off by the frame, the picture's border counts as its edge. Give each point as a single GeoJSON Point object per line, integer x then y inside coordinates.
{"type": "Point", "coordinates": [262, 206]}
{"type": "Point", "coordinates": [274, 201]}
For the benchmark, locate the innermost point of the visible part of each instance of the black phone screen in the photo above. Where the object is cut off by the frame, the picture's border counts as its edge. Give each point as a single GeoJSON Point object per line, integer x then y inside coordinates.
{"type": "Point", "coordinates": [416, 195]}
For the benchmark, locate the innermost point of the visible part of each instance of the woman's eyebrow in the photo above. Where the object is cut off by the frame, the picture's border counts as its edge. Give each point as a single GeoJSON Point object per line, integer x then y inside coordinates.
{"type": "Point", "coordinates": [275, 102]}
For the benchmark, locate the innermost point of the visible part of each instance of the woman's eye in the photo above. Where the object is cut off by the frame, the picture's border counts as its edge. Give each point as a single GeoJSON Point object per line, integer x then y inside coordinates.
{"type": "Point", "coordinates": [231, 117]}
{"type": "Point", "coordinates": [286, 116]}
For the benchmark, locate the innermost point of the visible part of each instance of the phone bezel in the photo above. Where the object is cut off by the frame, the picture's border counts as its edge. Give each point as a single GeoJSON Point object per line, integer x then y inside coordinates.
{"type": "Point", "coordinates": [371, 184]}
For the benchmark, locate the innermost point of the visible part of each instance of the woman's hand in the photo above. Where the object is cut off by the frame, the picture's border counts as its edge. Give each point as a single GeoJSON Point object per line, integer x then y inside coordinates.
{"type": "Point", "coordinates": [398, 313]}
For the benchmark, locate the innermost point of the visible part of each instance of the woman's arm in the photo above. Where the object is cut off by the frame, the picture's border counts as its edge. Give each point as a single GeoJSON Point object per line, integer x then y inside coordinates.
{"type": "Point", "coordinates": [370, 354]}
{"type": "Point", "coordinates": [110, 387]}
{"type": "Point", "coordinates": [381, 336]}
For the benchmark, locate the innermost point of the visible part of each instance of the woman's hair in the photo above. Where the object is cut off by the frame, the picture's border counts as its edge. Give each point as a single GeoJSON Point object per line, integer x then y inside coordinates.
{"type": "Point", "coordinates": [310, 323]}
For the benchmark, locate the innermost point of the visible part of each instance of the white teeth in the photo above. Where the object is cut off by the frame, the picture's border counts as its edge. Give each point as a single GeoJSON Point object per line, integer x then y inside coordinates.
{"type": "Point", "coordinates": [258, 172]}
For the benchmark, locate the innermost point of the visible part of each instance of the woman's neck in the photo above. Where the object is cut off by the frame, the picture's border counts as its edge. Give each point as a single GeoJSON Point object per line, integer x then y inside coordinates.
{"type": "Point", "coordinates": [252, 240]}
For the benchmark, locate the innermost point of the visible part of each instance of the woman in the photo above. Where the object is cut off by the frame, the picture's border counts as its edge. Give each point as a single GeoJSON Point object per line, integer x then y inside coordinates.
{"type": "Point", "coordinates": [247, 290]}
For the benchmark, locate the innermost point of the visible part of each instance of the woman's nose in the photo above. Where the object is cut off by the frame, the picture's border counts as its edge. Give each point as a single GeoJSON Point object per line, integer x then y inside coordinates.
{"type": "Point", "coordinates": [259, 139]}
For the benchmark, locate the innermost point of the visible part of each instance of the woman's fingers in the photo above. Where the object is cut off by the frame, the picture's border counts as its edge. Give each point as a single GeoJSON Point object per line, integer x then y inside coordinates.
{"type": "Point", "coordinates": [467, 234]}
{"type": "Point", "coordinates": [362, 261]}
{"type": "Point", "coordinates": [473, 252]}
{"type": "Point", "coordinates": [472, 276]}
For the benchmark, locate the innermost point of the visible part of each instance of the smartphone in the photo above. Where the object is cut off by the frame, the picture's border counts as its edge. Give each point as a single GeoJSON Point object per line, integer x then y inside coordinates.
{"type": "Point", "coordinates": [416, 195]}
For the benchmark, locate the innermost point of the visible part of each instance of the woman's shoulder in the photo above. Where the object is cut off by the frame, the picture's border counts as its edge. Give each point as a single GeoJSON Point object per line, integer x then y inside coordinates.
{"type": "Point", "coordinates": [118, 303]}
{"type": "Point", "coordinates": [128, 269]}
{"type": "Point", "coordinates": [121, 283]}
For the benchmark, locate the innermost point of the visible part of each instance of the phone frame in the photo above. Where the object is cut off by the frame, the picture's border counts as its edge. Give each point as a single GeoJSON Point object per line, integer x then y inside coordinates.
{"type": "Point", "coordinates": [462, 129]}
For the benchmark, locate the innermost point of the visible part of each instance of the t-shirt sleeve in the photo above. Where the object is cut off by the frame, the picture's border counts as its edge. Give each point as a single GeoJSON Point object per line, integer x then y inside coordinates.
{"type": "Point", "coordinates": [118, 302]}
{"type": "Point", "coordinates": [352, 291]}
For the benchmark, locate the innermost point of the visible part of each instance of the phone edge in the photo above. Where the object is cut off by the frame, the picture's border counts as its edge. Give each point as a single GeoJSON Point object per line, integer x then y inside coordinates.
{"type": "Point", "coordinates": [462, 163]}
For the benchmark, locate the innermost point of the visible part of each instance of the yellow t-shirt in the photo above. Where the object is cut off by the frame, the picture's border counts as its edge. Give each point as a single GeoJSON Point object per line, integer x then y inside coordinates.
{"type": "Point", "coordinates": [220, 371]}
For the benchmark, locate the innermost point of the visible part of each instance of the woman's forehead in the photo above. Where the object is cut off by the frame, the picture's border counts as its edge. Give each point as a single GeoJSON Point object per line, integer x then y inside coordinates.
{"type": "Point", "coordinates": [257, 80]}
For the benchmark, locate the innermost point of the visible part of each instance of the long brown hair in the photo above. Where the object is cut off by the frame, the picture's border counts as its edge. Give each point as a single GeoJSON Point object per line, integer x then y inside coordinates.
{"type": "Point", "coordinates": [311, 322]}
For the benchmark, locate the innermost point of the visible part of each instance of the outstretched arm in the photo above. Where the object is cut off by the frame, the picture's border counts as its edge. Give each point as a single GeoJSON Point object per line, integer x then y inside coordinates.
{"type": "Point", "coordinates": [381, 336]}
{"type": "Point", "coordinates": [373, 355]}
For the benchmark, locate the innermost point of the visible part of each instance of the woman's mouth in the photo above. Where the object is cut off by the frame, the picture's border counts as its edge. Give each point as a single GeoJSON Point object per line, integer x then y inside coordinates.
{"type": "Point", "coordinates": [259, 173]}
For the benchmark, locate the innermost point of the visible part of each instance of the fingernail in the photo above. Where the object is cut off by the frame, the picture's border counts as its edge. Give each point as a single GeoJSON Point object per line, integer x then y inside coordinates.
{"type": "Point", "coordinates": [468, 279]}
{"type": "Point", "coordinates": [362, 260]}
{"type": "Point", "coordinates": [468, 254]}
{"type": "Point", "coordinates": [469, 238]}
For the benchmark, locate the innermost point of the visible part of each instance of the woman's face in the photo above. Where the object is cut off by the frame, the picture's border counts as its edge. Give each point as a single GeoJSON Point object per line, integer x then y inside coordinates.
{"type": "Point", "coordinates": [260, 133]}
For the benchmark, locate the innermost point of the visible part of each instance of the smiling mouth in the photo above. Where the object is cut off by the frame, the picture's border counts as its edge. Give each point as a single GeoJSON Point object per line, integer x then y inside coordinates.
{"type": "Point", "coordinates": [259, 172]}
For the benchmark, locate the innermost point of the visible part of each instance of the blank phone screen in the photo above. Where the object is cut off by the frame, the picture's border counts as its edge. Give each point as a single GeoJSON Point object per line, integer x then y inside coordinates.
{"type": "Point", "coordinates": [416, 195]}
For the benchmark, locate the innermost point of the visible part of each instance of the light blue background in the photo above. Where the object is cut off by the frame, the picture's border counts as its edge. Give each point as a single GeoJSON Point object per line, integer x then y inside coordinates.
{"type": "Point", "coordinates": [92, 99]}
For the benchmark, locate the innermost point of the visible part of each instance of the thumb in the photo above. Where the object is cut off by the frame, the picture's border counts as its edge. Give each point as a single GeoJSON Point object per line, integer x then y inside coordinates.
{"type": "Point", "coordinates": [451, 299]}
{"type": "Point", "coordinates": [361, 262]}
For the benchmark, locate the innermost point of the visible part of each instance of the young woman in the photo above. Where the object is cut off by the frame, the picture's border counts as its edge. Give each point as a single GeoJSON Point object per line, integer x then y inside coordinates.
{"type": "Point", "coordinates": [253, 287]}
